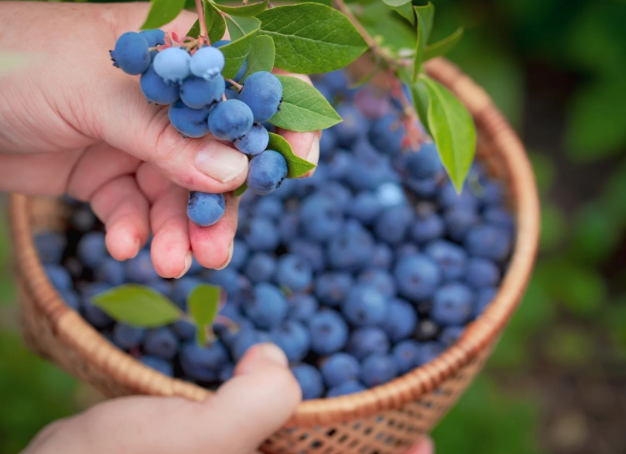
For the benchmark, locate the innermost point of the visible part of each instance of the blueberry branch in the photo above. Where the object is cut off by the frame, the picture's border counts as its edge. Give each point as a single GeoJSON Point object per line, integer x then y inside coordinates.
{"type": "Point", "coordinates": [203, 31]}
{"type": "Point", "coordinates": [235, 84]}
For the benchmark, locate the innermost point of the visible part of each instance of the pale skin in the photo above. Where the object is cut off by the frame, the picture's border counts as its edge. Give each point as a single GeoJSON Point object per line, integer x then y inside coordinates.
{"type": "Point", "coordinates": [72, 123]}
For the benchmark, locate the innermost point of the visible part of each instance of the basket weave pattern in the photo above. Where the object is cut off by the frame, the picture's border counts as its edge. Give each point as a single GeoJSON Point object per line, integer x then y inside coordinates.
{"type": "Point", "coordinates": [383, 420]}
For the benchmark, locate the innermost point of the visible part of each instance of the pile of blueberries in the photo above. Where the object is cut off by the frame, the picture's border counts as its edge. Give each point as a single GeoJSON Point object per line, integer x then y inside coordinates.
{"type": "Point", "coordinates": [201, 101]}
{"type": "Point", "coordinates": [366, 270]}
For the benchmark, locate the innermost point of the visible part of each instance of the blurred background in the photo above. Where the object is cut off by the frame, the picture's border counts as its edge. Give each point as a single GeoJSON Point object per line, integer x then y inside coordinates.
{"type": "Point", "coordinates": [557, 381]}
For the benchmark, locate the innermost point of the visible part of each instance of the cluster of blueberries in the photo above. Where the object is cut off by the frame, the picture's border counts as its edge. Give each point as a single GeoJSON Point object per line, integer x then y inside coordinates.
{"type": "Point", "coordinates": [201, 101]}
{"type": "Point", "coordinates": [364, 271]}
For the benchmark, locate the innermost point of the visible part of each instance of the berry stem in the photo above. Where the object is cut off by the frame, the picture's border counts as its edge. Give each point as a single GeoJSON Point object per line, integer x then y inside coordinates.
{"type": "Point", "coordinates": [235, 84]}
{"type": "Point", "coordinates": [203, 31]}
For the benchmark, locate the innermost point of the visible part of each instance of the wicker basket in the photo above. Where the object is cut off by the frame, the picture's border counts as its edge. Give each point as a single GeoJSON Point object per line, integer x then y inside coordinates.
{"type": "Point", "coordinates": [386, 419]}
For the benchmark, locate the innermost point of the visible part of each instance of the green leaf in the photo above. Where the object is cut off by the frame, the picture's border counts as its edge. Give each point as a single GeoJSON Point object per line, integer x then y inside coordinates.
{"type": "Point", "coordinates": [247, 10]}
{"type": "Point", "coordinates": [10, 61]}
{"type": "Point", "coordinates": [453, 130]}
{"type": "Point", "coordinates": [242, 31]}
{"type": "Point", "coordinates": [162, 12]}
{"type": "Point", "coordinates": [296, 166]}
{"type": "Point", "coordinates": [425, 15]}
{"type": "Point", "coordinates": [311, 38]}
{"type": "Point", "coordinates": [443, 46]}
{"type": "Point", "coordinates": [303, 108]}
{"type": "Point", "coordinates": [396, 3]}
{"type": "Point", "coordinates": [137, 305]}
{"type": "Point", "coordinates": [402, 7]}
{"type": "Point", "coordinates": [387, 29]}
{"type": "Point", "coordinates": [261, 56]}
{"type": "Point", "coordinates": [203, 304]}
{"type": "Point", "coordinates": [241, 189]}
{"type": "Point", "coordinates": [419, 93]}
{"type": "Point", "coordinates": [215, 23]}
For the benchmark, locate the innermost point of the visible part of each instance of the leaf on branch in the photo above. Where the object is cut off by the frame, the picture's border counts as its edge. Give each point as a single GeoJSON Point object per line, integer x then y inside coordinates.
{"type": "Point", "coordinates": [215, 23]}
{"type": "Point", "coordinates": [425, 15]}
{"type": "Point", "coordinates": [162, 12]}
{"type": "Point", "coordinates": [403, 8]}
{"type": "Point", "coordinates": [203, 304]}
{"type": "Point", "coordinates": [261, 57]}
{"type": "Point", "coordinates": [241, 189]}
{"type": "Point", "coordinates": [311, 38]}
{"type": "Point", "coordinates": [452, 129]}
{"type": "Point", "coordinates": [137, 305]}
{"type": "Point", "coordinates": [303, 108]}
{"type": "Point", "coordinates": [244, 11]}
{"type": "Point", "coordinates": [242, 31]}
{"type": "Point", "coordinates": [296, 166]}
{"type": "Point", "coordinates": [443, 46]}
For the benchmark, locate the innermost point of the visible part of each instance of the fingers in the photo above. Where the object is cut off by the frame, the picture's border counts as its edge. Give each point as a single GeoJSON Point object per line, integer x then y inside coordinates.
{"type": "Point", "coordinates": [213, 245]}
{"type": "Point", "coordinates": [124, 210]}
{"type": "Point", "coordinates": [424, 446]}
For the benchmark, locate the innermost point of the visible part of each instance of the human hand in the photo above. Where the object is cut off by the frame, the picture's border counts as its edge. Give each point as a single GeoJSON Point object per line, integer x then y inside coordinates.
{"type": "Point", "coordinates": [72, 123]}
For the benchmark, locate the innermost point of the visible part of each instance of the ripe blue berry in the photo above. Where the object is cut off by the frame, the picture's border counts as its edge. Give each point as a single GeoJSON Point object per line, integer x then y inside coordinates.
{"type": "Point", "coordinates": [427, 228]}
{"type": "Point", "coordinates": [154, 37]}
{"type": "Point", "coordinates": [197, 93]}
{"type": "Point", "coordinates": [266, 172]}
{"type": "Point", "coordinates": [172, 64]}
{"type": "Point", "coordinates": [417, 276]}
{"type": "Point", "coordinates": [263, 93]}
{"type": "Point", "coordinates": [380, 279]}
{"type": "Point", "coordinates": [378, 369]}
{"type": "Point", "coordinates": [261, 234]}
{"type": "Point", "coordinates": [184, 329]}
{"type": "Point", "coordinates": [240, 254]}
{"type": "Point", "coordinates": [207, 63]}
{"type": "Point", "coordinates": [483, 298]}
{"type": "Point", "coordinates": [140, 268]}
{"type": "Point", "coordinates": [488, 241]}
{"type": "Point", "coordinates": [293, 339]}
{"type": "Point", "coordinates": [499, 217]}
{"type": "Point", "coordinates": [71, 299]}
{"type": "Point", "coordinates": [393, 224]}
{"type": "Point", "coordinates": [387, 134]}
{"type": "Point", "coordinates": [181, 290]}
{"type": "Point", "coordinates": [229, 280]}
{"type": "Point", "coordinates": [127, 337]}
{"type": "Point", "coordinates": [230, 120]}
{"type": "Point", "coordinates": [329, 332]}
{"type": "Point", "coordinates": [309, 379]}
{"type": "Point", "coordinates": [382, 256]}
{"type": "Point", "coordinates": [161, 342]}
{"type": "Point", "coordinates": [261, 267]}
{"type": "Point", "coordinates": [50, 246]}
{"type": "Point", "coordinates": [424, 163]}
{"type": "Point", "coordinates": [132, 53]}
{"type": "Point", "coordinates": [349, 387]}
{"type": "Point", "coordinates": [156, 90]}
{"type": "Point", "coordinates": [294, 273]}
{"type": "Point", "coordinates": [401, 320]}
{"type": "Point", "coordinates": [92, 313]}
{"type": "Point", "coordinates": [450, 257]}
{"type": "Point", "coordinates": [203, 362]}
{"type": "Point", "coordinates": [158, 364]}
{"type": "Point", "coordinates": [332, 287]}
{"type": "Point", "coordinates": [452, 304]}
{"type": "Point", "coordinates": [340, 368]}
{"type": "Point", "coordinates": [241, 342]}
{"type": "Point", "coordinates": [450, 334]}
{"type": "Point", "coordinates": [254, 141]}
{"type": "Point", "coordinates": [365, 341]}
{"type": "Point", "coordinates": [226, 372]}
{"type": "Point", "coordinates": [327, 143]}
{"type": "Point", "coordinates": [302, 306]}
{"type": "Point", "coordinates": [430, 351]}
{"type": "Point", "coordinates": [59, 277]}
{"type": "Point", "coordinates": [205, 209]}
{"type": "Point", "coordinates": [309, 251]}
{"type": "Point", "coordinates": [91, 249]}
{"type": "Point", "coordinates": [352, 126]}
{"type": "Point", "coordinates": [321, 217]}
{"type": "Point", "coordinates": [288, 225]}
{"type": "Point", "coordinates": [111, 271]}
{"type": "Point", "coordinates": [365, 306]}
{"type": "Point", "coordinates": [351, 248]}
{"type": "Point", "coordinates": [459, 220]}
{"type": "Point", "coordinates": [365, 207]}
{"type": "Point", "coordinates": [449, 198]}
{"type": "Point", "coordinates": [407, 355]}
{"type": "Point", "coordinates": [482, 273]}
{"type": "Point", "coordinates": [267, 307]}
{"type": "Point", "coordinates": [189, 122]}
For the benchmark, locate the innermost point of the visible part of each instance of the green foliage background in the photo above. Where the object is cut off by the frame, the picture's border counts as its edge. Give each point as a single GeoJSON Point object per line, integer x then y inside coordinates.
{"type": "Point", "coordinates": [555, 382]}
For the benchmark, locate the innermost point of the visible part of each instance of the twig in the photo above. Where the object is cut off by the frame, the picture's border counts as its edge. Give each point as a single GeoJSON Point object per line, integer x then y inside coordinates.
{"type": "Point", "coordinates": [201, 20]}
{"type": "Point", "coordinates": [235, 84]}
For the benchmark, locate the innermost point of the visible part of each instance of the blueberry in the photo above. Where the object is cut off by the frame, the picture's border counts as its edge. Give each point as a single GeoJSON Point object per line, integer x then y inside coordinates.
{"type": "Point", "coordinates": [140, 269]}
{"type": "Point", "coordinates": [156, 90]}
{"type": "Point", "coordinates": [426, 330]}
{"type": "Point", "coordinates": [365, 306]}
{"type": "Point", "coordinates": [71, 298]}
{"type": "Point", "coordinates": [261, 234]}
{"type": "Point", "coordinates": [172, 64]}
{"type": "Point", "coordinates": [287, 188]}
{"type": "Point", "coordinates": [483, 298]}
{"type": "Point", "coordinates": [349, 387]}
{"type": "Point", "coordinates": [320, 217]}
{"type": "Point", "coordinates": [92, 313]}
{"type": "Point", "coordinates": [203, 362]}
{"type": "Point", "coordinates": [261, 267]}
{"type": "Point", "coordinates": [270, 206]}
{"type": "Point", "coordinates": [189, 122]}
{"type": "Point", "coordinates": [451, 258]}
{"type": "Point", "coordinates": [459, 220]}
{"type": "Point", "coordinates": [226, 372]}
{"type": "Point", "coordinates": [328, 141]}
{"type": "Point", "coordinates": [407, 355]}
{"type": "Point", "coordinates": [340, 368]}
{"type": "Point", "coordinates": [365, 341]}
{"type": "Point", "coordinates": [161, 342]}
{"type": "Point", "coordinates": [371, 103]}
{"type": "Point", "coordinates": [294, 273]}
{"type": "Point", "coordinates": [370, 172]}
{"type": "Point", "coordinates": [352, 126]}
{"type": "Point", "coordinates": [452, 304]}
{"type": "Point", "coordinates": [351, 248]}
{"type": "Point", "coordinates": [406, 250]}
{"type": "Point", "coordinates": [500, 218]}
{"type": "Point", "coordinates": [263, 93]}
{"type": "Point", "coordinates": [488, 241]}
{"type": "Point", "coordinates": [288, 225]}
{"type": "Point", "coordinates": [336, 80]}
{"type": "Point", "coordinates": [401, 320]}
{"type": "Point", "coordinates": [329, 332]}
{"type": "Point", "coordinates": [450, 334]}
{"type": "Point", "coordinates": [231, 94]}
{"type": "Point", "coordinates": [341, 195]}
{"type": "Point", "coordinates": [387, 134]}
{"type": "Point", "coordinates": [127, 337]}
{"type": "Point", "coordinates": [242, 71]}
{"type": "Point", "coordinates": [417, 276]}
{"type": "Point", "coordinates": [266, 172]}
{"type": "Point", "coordinates": [240, 254]}
{"type": "Point", "coordinates": [228, 279]}
{"type": "Point", "coordinates": [430, 351]}
{"type": "Point", "coordinates": [482, 273]}
{"type": "Point", "coordinates": [158, 364]}
{"type": "Point", "coordinates": [50, 246]}
{"type": "Point", "coordinates": [325, 90]}
{"type": "Point", "coordinates": [58, 276]}
{"type": "Point", "coordinates": [91, 249]}
{"type": "Point", "coordinates": [309, 251]}
{"type": "Point", "coordinates": [378, 369]}
{"type": "Point", "coordinates": [111, 271]}
{"type": "Point", "coordinates": [309, 379]}
{"type": "Point", "coordinates": [132, 53]}
{"type": "Point", "coordinates": [243, 340]}
{"type": "Point", "coordinates": [339, 164]}
{"type": "Point", "coordinates": [332, 287]}
{"type": "Point", "coordinates": [449, 198]}
{"type": "Point", "coordinates": [207, 63]}
{"type": "Point", "coordinates": [293, 338]}
{"type": "Point", "coordinates": [491, 193]}
{"type": "Point", "coordinates": [220, 43]}
{"type": "Point", "coordinates": [181, 290]}
{"type": "Point", "coordinates": [301, 307]}
{"type": "Point", "coordinates": [380, 279]}
{"type": "Point", "coordinates": [427, 228]}
{"type": "Point", "coordinates": [365, 207]}
{"type": "Point", "coordinates": [230, 120]}
{"type": "Point", "coordinates": [393, 224]}
{"type": "Point", "coordinates": [184, 329]}
{"type": "Point", "coordinates": [198, 93]}
{"type": "Point", "coordinates": [426, 187]}
{"type": "Point", "coordinates": [267, 307]}
{"type": "Point", "coordinates": [154, 37]}
{"type": "Point", "coordinates": [254, 141]}
{"type": "Point", "coordinates": [424, 163]}
{"type": "Point", "coordinates": [205, 209]}
{"type": "Point", "coordinates": [382, 256]}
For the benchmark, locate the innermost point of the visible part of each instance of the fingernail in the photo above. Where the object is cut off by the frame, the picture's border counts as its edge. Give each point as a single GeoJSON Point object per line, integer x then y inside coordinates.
{"type": "Point", "coordinates": [219, 161]}
{"type": "Point", "coordinates": [230, 256]}
{"type": "Point", "coordinates": [271, 352]}
{"type": "Point", "coordinates": [137, 248]}
{"type": "Point", "coordinates": [314, 152]}
{"type": "Point", "coordinates": [188, 260]}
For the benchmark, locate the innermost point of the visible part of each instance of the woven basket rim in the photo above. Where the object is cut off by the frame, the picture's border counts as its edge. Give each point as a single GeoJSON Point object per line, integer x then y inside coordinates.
{"type": "Point", "coordinates": [92, 347]}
